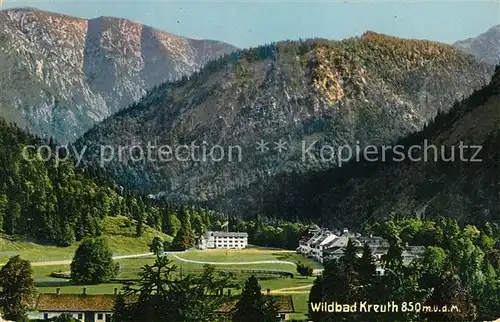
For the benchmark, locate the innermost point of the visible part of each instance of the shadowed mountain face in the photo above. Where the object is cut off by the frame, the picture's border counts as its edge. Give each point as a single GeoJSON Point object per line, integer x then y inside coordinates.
{"type": "Point", "coordinates": [447, 183]}
{"type": "Point", "coordinates": [485, 47]}
{"type": "Point", "coordinates": [373, 89]}
{"type": "Point", "coordinates": [60, 75]}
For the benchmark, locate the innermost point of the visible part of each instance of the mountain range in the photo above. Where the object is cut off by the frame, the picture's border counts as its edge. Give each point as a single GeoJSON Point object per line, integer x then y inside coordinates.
{"type": "Point", "coordinates": [485, 47]}
{"type": "Point", "coordinates": [445, 184]}
{"type": "Point", "coordinates": [373, 89]}
{"type": "Point", "coordinates": [124, 84]}
{"type": "Point", "coordinates": [59, 75]}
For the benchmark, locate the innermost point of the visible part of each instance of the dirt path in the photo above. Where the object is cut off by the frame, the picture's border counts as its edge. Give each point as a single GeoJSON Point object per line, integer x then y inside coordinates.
{"type": "Point", "coordinates": [292, 290]}
{"type": "Point", "coordinates": [68, 262]}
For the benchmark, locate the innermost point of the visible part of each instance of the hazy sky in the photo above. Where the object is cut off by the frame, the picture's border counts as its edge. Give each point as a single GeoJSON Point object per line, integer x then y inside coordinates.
{"type": "Point", "coordinates": [251, 23]}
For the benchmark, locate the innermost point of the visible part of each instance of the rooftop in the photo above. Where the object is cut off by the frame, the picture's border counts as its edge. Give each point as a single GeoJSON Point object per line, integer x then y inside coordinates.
{"type": "Point", "coordinates": [75, 303]}
{"type": "Point", "coordinates": [227, 234]}
{"type": "Point", "coordinates": [104, 303]}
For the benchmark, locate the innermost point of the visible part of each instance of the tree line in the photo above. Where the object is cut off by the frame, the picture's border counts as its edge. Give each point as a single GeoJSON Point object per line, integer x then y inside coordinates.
{"type": "Point", "coordinates": [56, 202]}
{"type": "Point", "coordinates": [460, 268]}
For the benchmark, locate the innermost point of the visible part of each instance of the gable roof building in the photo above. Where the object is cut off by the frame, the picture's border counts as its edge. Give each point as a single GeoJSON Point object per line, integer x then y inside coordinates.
{"type": "Point", "coordinates": [83, 307]}
{"type": "Point", "coordinates": [99, 307]}
{"type": "Point", "coordinates": [223, 240]}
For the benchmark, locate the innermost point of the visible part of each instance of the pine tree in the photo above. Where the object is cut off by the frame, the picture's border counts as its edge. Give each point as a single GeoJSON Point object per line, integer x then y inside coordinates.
{"type": "Point", "coordinates": [367, 267]}
{"type": "Point", "coordinates": [367, 273]}
{"type": "Point", "coordinates": [184, 239]}
{"type": "Point", "coordinates": [172, 224]}
{"type": "Point", "coordinates": [161, 296]}
{"type": "Point", "coordinates": [349, 267]}
{"type": "Point", "coordinates": [317, 295]}
{"type": "Point", "coordinates": [156, 246]}
{"type": "Point", "coordinates": [198, 226]}
{"type": "Point", "coordinates": [139, 226]}
{"type": "Point", "coordinates": [4, 201]}
{"type": "Point", "coordinates": [252, 306]}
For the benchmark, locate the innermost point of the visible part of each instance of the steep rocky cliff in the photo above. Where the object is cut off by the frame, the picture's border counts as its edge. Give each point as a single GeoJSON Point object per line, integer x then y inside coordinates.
{"type": "Point", "coordinates": [485, 47]}
{"type": "Point", "coordinates": [59, 75]}
{"type": "Point", "coordinates": [372, 89]}
{"type": "Point", "coordinates": [439, 180]}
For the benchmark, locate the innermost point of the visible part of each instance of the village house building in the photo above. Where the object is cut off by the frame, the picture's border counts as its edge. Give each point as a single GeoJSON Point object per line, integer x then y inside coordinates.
{"type": "Point", "coordinates": [411, 253]}
{"type": "Point", "coordinates": [223, 240]}
{"type": "Point", "coordinates": [99, 307]}
{"type": "Point", "coordinates": [313, 246]}
{"type": "Point", "coordinates": [325, 245]}
{"type": "Point", "coordinates": [83, 307]}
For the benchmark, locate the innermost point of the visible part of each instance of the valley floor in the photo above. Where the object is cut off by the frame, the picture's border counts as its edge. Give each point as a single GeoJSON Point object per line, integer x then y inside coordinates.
{"type": "Point", "coordinates": [132, 253]}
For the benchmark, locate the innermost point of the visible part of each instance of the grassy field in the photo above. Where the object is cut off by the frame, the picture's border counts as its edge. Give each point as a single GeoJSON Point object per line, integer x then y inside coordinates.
{"type": "Point", "coordinates": [120, 237]}
{"type": "Point", "coordinates": [297, 287]}
{"type": "Point", "coordinates": [122, 241]}
{"type": "Point", "coordinates": [248, 255]}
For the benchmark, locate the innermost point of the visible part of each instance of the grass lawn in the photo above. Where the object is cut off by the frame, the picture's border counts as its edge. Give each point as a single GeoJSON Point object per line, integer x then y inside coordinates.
{"type": "Point", "coordinates": [131, 264]}
{"type": "Point", "coordinates": [120, 237]}
{"type": "Point", "coordinates": [276, 285]}
{"type": "Point", "coordinates": [251, 255]}
{"type": "Point", "coordinates": [300, 305]}
{"type": "Point", "coordinates": [300, 296]}
{"type": "Point", "coordinates": [122, 241]}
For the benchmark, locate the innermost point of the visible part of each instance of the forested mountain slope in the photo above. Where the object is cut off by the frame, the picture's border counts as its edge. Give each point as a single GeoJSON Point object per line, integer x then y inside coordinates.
{"type": "Point", "coordinates": [372, 89]}
{"type": "Point", "coordinates": [51, 201]}
{"type": "Point", "coordinates": [361, 192]}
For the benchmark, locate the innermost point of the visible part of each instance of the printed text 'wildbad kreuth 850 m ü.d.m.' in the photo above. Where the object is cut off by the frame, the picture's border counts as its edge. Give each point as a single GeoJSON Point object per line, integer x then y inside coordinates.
{"type": "Point", "coordinates": [389, 307]}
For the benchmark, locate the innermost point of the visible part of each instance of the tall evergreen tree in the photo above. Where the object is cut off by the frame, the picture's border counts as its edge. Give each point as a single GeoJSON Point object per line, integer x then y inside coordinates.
{"type": "Point", "coordinates": [183, 240]}
{"type": "Point", "coordinates": [172, 224]}
{"type": "Point", "coordinates": [252, 306]}
{"type": "Point", "coordinates": [156, 246]}
{"type": "Point", "coordinates": [367, 268]}
{"type": "Point", "coordinates": [163, 297]}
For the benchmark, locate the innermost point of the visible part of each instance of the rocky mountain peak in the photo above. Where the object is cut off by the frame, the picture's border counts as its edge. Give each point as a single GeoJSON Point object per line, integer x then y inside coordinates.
{"type": "Point", "coordinates": [373, 89]}
{"type": "Point", "coordinates": [62, 74]}
{"type": "Point", "coordinates": [485, 47]}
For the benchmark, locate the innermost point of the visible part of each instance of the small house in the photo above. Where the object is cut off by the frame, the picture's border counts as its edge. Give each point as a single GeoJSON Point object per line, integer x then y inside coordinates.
{"type": "Point", "coordinates": [83, 307]}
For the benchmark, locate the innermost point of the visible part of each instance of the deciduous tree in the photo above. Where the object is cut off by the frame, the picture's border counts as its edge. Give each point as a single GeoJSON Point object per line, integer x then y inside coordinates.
{"type": "Point", "coordinates": [18, 288]}
{"type": "Point", "coordinates": [93, 262]}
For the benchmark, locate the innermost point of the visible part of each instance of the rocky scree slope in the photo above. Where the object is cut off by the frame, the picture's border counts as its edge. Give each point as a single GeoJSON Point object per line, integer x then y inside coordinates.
{"type": "Point", "coordinates": [372, 89]}
{"type": "Point", "coordinates": [59, 74]}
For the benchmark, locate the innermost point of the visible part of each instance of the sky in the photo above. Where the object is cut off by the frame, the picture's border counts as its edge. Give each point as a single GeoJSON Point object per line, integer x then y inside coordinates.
{"type": "Point", "coordinates": [253, 23]}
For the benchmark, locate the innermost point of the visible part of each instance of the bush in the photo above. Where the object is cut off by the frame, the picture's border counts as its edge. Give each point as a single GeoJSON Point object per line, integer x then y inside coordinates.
{"type": "Point", "coordinates": [304, 269]}
{"type": "Point", "coordinates": [64, 318]}
{"type": "Point", "coordinates": [167, 246]}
